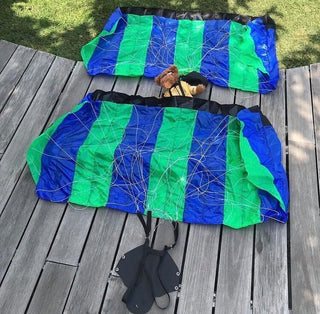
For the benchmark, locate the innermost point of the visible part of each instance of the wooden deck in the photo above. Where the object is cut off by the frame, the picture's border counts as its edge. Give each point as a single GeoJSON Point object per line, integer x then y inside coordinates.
{"type": "Point", "coordinates": [55, 258]}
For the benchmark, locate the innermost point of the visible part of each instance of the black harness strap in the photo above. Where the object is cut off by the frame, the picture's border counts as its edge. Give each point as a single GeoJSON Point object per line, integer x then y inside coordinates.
{"type": "Point", "coordinates": [181, 92]}
{"type": "Point", "coordinates": [176, 235]}
{"type": "Point", "coordinates": [181, 89]}
{"type": "Point", "coordinates": [146, 251]}
{"type": "Point", "coordinates": [146, 226]}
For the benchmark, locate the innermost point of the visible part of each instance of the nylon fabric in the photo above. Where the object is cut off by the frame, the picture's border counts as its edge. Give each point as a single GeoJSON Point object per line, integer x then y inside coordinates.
{"type": "Point", "coordinates": [188, 51]}
{"type": "Point", "coordinates": [243, 61]}
{"type": "Point", "coordinates": [36, 149]}
{"type": "Point", "coordinates": [169, 164]}
{"type": "Point", "coordinates": [131, 164]}
{"type": "Point", "coordinates": [100, 55]}
{"type": "Point", "coordinates": [219, 164]}
{"type": "Point", "coordinates": [264, 164]}
{"type": "Point", "coordinates": [64, 144]}
{"type": "Point", "coordinates": [229, 50]}
{"type": "Point", "coordinates": [134, 45]}
{"type": "Point", "coordinates": [206, 170]}
{"type": "Point", "coordinates": [241, 201]}
{"type": "Point", "coordinates": [215, 62]}
{"type": "Point", "coordinates": [160, 54]}
{"type": "Point", "coordinates": [91, 184]}
{"type": "Point", "coordinates": [265, 37]}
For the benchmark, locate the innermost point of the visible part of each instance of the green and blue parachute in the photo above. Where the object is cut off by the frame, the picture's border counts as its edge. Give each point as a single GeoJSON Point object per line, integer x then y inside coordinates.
{"type": "Point", "coordinates": [184, 159]}
{"type": "Point", "coordinates": [229, 50]}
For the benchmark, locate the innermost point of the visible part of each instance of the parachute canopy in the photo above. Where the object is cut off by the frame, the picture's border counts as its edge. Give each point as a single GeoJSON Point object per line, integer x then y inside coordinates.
{"type": "Point", "coordinates": [229, 50]}
{"type": "Point", "coordinates": [184, 159]}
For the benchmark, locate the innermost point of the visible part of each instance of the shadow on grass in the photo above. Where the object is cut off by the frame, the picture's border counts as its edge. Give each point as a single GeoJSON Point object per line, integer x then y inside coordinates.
{"type": "Point", "coordinates": [48, 35]}
{"type": "Point", "coordinates": [309, 53]}
{"type": "Point", "coordinates": [40, 33]}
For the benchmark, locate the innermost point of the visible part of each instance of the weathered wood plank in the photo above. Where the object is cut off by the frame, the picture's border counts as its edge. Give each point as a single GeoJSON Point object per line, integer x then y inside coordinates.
{"type": "Point", "coordinates": [91, 279]}
{"type": "Point", "coordinates": [73, 92]}
{"type": "Point", "coordinates": [222, 95]}
{"type": "Point", "coordinates": [234, 287]}
{"type": "Point", "coordinates": [103, 82]}
{"type": "Point", "coordinates": [14, 219]}
{"type": "Point", "coordinates": [304, 202]}
{"type": "Point", "coordinates": [22, 96]}
{"type": "Point", "coordinates": [72, 234]}
{"type": "Point", "coordinates": [199, 272]}
{"type": "Point", "coordinates": [28, 261]}
{"type": "Point", "coordinates": [270, 289]}
{"type": "Point", "coordinates": [127, 85]}
{"type": "Point", "coordinates": [315, 89]}
{"type": "Point", "coordinates": [234, 278]}
{"type": "Point", "coordinates": [7, 49]}
{"type": "Point", "coordinates": [13, 160]}
{"type": "Point", "coordinates": [76, 223]}
{"type": "Point", "coordinates": [52, 290]}
{"type": "Point", "coordinates": [101, 275]}
{"type": "Point", "coordinates": [164, 236]}
{"type": "Point", "coordinates": [34, 247]}
{"type": "Point", "coordinates": [247, 99]}
{"type": "Point", "coordinates": [273, 106]}
{"type": "Point", "coordinates": [133, 234]}
{"type": "Point", "coordinates": [304, 229]}
{"type": "Point", "coordinates": [300, 120]}
{"type": "Point", "coordinates": [20, 206]}
{"type": "Point", "coordinates": [11, 74]}
{"type": "Point", "coordinates": [148, 88]}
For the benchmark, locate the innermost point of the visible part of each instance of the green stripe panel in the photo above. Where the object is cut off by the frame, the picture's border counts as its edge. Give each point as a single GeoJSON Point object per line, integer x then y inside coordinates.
{"type": "Point", "coordinates": [35, 151]}
{"type": "Point", "coordinates": [243, 60]}
{"type": "Point", "coordinates": [169, 164]}
{"type": "Point", "coordinates": [91, 183]}
{"type": "Point", "coordinates": [188, 52]}
{"type": "Point", "coordinates": [241, 199]}
{"type": "Point", "coordinates": [258, 174]}
{"type": "Point", "coordinates": [134, 46]}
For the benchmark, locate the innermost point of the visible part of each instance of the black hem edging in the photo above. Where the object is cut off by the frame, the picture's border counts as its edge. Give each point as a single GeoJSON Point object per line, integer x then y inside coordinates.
{"type": "Point", "coordinates": [176, 101]}
{"type": "Point", "coordinates": [197, 15]}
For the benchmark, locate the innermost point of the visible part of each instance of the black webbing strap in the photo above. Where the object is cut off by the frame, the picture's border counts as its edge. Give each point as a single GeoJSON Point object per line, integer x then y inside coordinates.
{"type": "Point", "coordinates": [176, 235]}
{"type": "Point", "coordinates": [181, 89]}
{"type": "Point", "coordinates": [142, 262]}
{"type": "Point", "coordinates": [147, 229]}
{"type": "Point", "coordinates": [175, 86]}
{"type": "Point", "coordinates": [146, 226]}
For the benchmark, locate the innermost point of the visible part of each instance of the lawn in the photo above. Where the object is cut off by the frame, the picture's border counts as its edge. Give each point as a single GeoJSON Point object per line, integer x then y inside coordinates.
{"type": "Point", "coordinates": [63, 26]}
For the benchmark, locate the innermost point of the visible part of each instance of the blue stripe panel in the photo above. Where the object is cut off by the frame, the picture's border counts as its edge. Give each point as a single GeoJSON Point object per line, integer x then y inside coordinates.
{"type": "Point", "coordinates": [266, 145]}
{"type": "Point", "coordinates": [267, 208]}
{"type": "Point", "coordinates": [59, 156]}
{"type": "Point", "coordinates": [206, 170]}
{"type": "Point", "coordinates": [105, 55]}
{"type": "Point", "coordinates": [130, 175]}
{"type": "Point", "coordinates": [265, 44]}
{"type": "Point", "coordinates": [215, 52]}
{"type": "Point", "coordinates": [113, 19]}
{"type": "Point", "coordinates": [160, 54]}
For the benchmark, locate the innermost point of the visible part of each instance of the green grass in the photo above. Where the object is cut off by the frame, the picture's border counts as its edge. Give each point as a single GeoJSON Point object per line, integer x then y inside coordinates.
{"type": "Point", "coordinates": [63, 26]}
